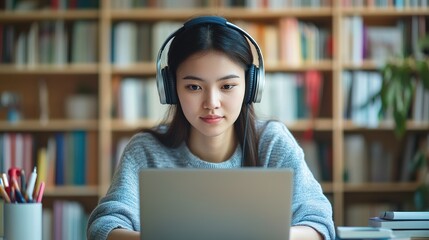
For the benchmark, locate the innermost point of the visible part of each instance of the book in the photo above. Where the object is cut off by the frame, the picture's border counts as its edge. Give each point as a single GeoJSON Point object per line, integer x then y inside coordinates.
{"type": "Point", "coordinates": [411, 233]}
{"type": "Point", "coordinates": [398, 224]}
{"type": "Point", "coordinates": [405, 215]}
{"type": "Point", "coordinates": [346, 232]}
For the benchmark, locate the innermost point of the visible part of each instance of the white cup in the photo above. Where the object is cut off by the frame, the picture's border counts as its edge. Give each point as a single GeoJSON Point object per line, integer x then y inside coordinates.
{"type": "Point", "coordinates": [1, 218]}
{"type": "Point", "coordinates": [22, 221]}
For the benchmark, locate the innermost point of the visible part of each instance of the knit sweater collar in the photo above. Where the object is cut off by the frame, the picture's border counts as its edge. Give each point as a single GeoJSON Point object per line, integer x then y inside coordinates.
{"type": "Point", "coordinates": [193, 161]}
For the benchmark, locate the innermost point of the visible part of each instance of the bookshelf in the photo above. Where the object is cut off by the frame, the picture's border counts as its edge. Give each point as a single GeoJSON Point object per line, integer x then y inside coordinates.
{"type": "Point", "coordinates": [328, 127]}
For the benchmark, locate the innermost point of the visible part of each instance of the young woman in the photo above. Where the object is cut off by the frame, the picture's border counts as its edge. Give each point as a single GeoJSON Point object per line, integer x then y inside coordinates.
{"type": "Point", "coordinates": [213, 124]}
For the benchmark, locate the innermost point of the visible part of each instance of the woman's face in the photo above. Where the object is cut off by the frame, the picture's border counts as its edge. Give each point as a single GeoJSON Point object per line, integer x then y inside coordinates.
{"type": "Point", "coordinates": [210, 89]}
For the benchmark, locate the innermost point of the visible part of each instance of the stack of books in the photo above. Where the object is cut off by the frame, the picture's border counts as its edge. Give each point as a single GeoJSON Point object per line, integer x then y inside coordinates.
{"type": "Point", "coordinates": [409, 225]}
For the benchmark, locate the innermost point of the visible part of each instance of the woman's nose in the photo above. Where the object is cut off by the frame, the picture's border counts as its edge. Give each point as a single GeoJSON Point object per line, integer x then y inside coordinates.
{"type": "Point", "coordinates": [212, 100]}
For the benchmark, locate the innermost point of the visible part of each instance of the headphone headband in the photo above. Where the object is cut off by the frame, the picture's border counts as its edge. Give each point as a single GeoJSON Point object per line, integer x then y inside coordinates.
{"type": "Point", "coordinates": [260, 73]}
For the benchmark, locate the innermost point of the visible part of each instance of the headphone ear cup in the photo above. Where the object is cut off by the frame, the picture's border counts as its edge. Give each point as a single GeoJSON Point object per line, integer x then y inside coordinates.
{"type": "Point", "coordinates": [251, 82]}
{"type": "Point", "coordinates": [169, 86]}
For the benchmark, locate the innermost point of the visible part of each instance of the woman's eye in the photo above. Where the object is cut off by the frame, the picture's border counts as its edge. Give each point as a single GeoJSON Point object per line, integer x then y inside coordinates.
{"type": "Point", "coordinates": [193, 87]}
{"type": "Point", "coordinates": [228, 86]}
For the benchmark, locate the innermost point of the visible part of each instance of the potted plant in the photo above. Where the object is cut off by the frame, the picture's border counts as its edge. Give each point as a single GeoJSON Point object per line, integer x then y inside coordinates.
{"type": "Point", "coordinates": [399, 81]}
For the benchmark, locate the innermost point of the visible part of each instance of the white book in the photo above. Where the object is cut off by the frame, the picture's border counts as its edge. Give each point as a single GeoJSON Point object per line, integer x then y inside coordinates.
{"type": "Point", "coordinates": [346, 39]}
{"type": "Point", "coordinates": [21, 50]}
{"type": "Point", "coordinates": [374, 85]}
{"type": "Point", "coordinates": [363, 232]}
{"type": "Point", "coordinates": [33, 45]}
{"type": "Point", "coordinates": [405, 215]}
{"type": "Point", "coordinates": [91, 51]}
{"type": "Point", "coordinates": [398, 224]}
{"type": "Point", "coordinates": [125, 43]}
{"type": "Point", "coordinates": [78, 42]}
{"type": "Point", "coordinates": [357, 47]}
{"type": "Point", "coordinates": [355, 156]}
{"type": "Point", "coordinates": [60, 43]}
{"type": "Point", "coordinates": [359, 114]}
{"type": "Point", "coordinates": [131, 99]}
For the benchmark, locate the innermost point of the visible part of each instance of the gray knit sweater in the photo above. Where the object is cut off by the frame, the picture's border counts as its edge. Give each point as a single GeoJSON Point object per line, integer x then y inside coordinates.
{"type": "Point", "coordinates": [277, 148]}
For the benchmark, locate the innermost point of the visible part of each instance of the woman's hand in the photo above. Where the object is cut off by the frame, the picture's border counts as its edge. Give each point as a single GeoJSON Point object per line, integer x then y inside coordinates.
{"type": "Point", "coordinates": [119, 234]}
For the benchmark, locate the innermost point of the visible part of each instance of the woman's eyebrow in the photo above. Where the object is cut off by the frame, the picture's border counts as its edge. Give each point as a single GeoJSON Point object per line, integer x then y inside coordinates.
{"type": "Point", "coordinates": [229, 77]}
{"type": "Point", "coordinates": [191, 77]}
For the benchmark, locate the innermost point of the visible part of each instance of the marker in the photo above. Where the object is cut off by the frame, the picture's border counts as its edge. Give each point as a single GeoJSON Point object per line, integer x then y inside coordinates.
{"type": "Point", "coordinates": [40, 193]}
{"type": "Point", "coordinates": [13, 173]}
{"type": "Point", "coordinates": [30, 185]}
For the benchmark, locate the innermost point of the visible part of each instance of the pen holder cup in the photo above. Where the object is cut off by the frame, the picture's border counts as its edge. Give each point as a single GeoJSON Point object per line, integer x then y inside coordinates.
{"type": "Point", "coordinates": [22, 221]}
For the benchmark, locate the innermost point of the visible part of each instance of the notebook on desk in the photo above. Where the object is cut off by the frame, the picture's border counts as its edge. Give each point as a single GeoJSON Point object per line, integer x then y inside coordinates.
{"type": "Point", "coordinates": [245, 203]}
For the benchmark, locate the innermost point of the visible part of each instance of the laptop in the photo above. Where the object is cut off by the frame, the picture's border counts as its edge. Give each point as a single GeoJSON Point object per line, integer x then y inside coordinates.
{"type": "Point", "coordinates": [244, 203]}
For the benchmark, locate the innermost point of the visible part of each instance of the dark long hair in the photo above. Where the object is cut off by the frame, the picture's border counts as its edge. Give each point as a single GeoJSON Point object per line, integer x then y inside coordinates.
{"type": "Point", "coordinates": [205, 37]}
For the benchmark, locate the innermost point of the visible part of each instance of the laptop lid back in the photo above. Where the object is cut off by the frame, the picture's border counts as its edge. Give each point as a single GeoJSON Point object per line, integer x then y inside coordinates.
{"type": "Point", "coordinates": [245, 203]}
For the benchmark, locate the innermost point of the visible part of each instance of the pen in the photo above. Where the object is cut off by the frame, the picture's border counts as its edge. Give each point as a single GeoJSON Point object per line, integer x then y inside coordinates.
{"type": "Point", "coordinates": [12, 194]}
{"type": "Point", "coordinates": [40, 193]}
{"type": "Point", "coordinates": [30, 185]}
{"type": "Point", "coordinates": [23, 183]}
{"type": "Point", "coordinates": [18, 195]}
{"type": "Point", "coordinates": [5, 183]}
{"type": "Point", "coordinates": [4, 194]}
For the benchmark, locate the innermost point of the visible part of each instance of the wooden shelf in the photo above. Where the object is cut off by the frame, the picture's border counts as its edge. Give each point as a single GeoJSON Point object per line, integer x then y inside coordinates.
{"type": "Point", "coordinates": [386, 126]}
{"type": "Point", "coordinates": [51, 125]}
{"type": "Point", "coordinates": [305, 124]}
{"type": "Point", "coordinates": [120, 125]}
{"type": "Point", "coordinates": [71, 191]}
{"type": "Point", "coordinates": [157, 14]}
{"type": "Point", "coordinates": [39, 15]}
{"type": "Point", "coordinates": [50, 69]}
{"type": "Point", "coordinates": [385, 12]}
{"type": "Point", "coordinates": [394, 187]}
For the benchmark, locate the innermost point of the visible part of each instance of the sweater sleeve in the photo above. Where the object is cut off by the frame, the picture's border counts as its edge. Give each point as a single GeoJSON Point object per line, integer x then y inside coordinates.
{"type": "Point", "coordinates": [310, 207]}
{"type": "Point", "coordinates": [119, 207]}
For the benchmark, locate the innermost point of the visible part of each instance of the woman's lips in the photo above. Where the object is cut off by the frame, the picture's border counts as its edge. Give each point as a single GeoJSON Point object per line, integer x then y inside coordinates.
{"type": "Point", "coordinates": [212, 118]}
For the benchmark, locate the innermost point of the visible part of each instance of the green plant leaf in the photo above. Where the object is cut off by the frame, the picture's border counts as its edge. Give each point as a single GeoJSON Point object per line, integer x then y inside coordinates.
{"type": "Point", "coordinates": [424, 73]}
